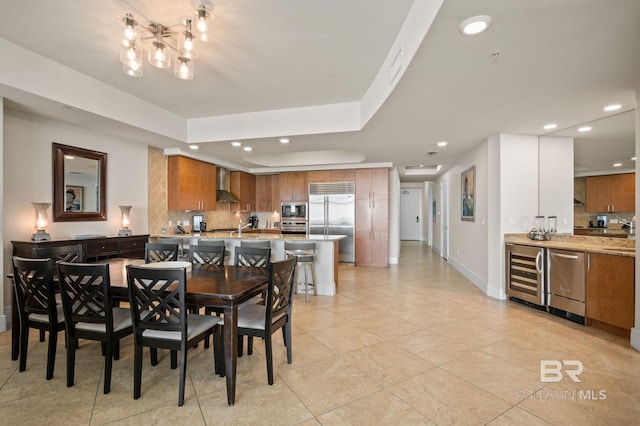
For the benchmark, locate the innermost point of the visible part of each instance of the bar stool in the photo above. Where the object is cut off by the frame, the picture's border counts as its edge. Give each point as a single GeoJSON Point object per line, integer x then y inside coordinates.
{"type": "Point", "coordinates": [305, 252]}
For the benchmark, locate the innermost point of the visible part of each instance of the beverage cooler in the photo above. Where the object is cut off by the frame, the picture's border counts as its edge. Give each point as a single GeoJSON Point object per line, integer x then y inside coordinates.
{"type": "Point", "coordinates": [525, 273]}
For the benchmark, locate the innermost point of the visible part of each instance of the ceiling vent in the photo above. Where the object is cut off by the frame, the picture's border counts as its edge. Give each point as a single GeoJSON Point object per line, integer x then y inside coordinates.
{"type": "Point", "coordinates": [432, 153]}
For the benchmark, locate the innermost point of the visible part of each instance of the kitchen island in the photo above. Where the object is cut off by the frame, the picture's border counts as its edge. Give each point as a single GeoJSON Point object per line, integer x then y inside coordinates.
{"type": "Point", "coordinates": [326, 250]}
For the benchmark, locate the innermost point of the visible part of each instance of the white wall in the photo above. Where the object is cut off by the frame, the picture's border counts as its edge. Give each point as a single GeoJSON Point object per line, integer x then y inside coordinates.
{"type": "Point", "coordinates": [556, 172]}
{"type": "Point", "coordinates": [4, 313]}
{"type": "Point", "coordinates": [27, 171]}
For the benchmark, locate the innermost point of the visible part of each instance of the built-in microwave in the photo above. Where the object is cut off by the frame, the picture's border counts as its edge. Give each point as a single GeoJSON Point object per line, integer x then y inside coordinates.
{"type": "Point", "coordinates": [293, 210]}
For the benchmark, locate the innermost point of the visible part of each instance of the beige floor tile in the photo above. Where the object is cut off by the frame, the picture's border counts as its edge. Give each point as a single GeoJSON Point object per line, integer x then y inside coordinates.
{"type": "Point", "coordinates": [446, 399]}
{"type": "Point", "coordinates": [433, 347]}
{"type": "Point", "coordinates": [561, 404]}
{"type": "Point", "coordinates": [387, 364]}
{"type": "Point", "coordinates": [620, 387]}
{"type": "Point", "coordinates": [517, 416]}
{"type": "Point", "coordinates": [346, 338]}
{"type": "Point", "coordinates": [502, 378]}
{"type": "Point", "coordinates": [618, 357]}
{"type": "Point", "coordinates": [329, 384]}
{"type": "Point", "coordinates": [377, 409]}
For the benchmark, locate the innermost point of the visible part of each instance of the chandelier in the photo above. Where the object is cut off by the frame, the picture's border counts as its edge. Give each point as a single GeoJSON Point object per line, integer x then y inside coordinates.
{"type": "Point", "coordinates": [163, 43]}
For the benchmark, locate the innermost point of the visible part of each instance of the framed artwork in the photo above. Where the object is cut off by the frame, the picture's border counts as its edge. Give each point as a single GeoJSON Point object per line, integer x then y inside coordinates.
{"type": "Point", "coordinates": [74, 198]}
{"type": "Point", "coordinates": [468, 190]}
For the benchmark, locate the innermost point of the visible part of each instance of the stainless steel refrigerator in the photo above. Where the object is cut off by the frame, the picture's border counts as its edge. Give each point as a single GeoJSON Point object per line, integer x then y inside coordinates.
{"type": "Point", "coordinates": [332, 212]}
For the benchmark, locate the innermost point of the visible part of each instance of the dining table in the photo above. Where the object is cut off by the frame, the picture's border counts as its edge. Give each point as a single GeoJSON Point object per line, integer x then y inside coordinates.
{"type": "Point", "coordinates": [222, 288]}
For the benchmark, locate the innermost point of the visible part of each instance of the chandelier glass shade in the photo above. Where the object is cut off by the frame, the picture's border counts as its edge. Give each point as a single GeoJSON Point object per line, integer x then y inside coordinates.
{"type": "Point", "coordinates": [163, 43]}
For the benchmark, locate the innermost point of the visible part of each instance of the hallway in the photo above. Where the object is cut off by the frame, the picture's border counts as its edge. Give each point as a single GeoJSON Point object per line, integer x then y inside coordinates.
{"type": "Point", "coordinates": [415, 343]}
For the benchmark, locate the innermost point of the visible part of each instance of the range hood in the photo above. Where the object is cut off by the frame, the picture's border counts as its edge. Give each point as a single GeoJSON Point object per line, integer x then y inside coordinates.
{"type": "Point", "coordinates": [222, 193]}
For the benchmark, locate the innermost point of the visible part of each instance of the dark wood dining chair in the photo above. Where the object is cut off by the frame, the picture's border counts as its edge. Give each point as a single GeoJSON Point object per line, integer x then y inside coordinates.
{"type": "Point", "coordinates": [255, 243]}
{"type": "Point", "coordinates": [256, 257]}
{"type": "Point", "coordinates": [89, 314]}
{"type": "Point", "coordinates": [207, 255]}
{"type": "Point", "coordinates": [160, 252]}
{"type": "Point", "coordinates": [160, 319]}
{"type": "Point", "coordinates": [37, 307]}
{"type": "Point", "coordinates": [256, 320]}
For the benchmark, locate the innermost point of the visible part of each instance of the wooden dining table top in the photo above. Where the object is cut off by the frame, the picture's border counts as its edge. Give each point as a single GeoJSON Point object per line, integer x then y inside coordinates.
{"type": "Point", "coordinates": [206, 284]}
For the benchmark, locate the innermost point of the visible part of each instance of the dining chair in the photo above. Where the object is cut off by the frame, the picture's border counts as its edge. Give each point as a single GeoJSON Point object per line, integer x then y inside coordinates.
{"type": "Point", "coordinates": [255, 320]}
{"type": "Point", "coordinates": [160, 252]}
{"type": "Point", "coordinates": [89, 314]}
{"type": "Point", "coordinates": [160, 319]}
{"type": "Point", "coordinates": [207, 255]}
{"type": "Point", "coordinates": [71, 253]}
{"type": "Point", "coordinates": [305, 252]}
{"type": "Point", "coordinates": [252, 256]}
{"type": "Point", "coordinates": [255, 243]}
{"type": "Point", "coordinates": [210, 242]}
{"type": "Point", "coordinates": [36, 304]}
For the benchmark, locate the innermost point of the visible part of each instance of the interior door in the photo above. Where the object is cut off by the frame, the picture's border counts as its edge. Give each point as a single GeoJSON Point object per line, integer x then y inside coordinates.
{"type": "Point", "coordinates": [444, 196]}
{"type": "Point", "coordinates": [410, 214]}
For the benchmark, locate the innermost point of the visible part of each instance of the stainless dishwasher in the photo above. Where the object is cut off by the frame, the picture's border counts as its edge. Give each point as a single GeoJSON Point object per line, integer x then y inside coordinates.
{"type": "Point", "coordinates": [566, 281]}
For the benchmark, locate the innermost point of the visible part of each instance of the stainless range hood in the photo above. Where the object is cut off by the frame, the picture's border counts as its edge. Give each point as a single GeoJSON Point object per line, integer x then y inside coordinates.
{"type": "Point", "coordinates": [222, 193]}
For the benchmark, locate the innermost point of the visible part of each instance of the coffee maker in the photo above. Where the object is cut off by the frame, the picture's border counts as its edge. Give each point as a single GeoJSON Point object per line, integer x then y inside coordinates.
{"type": "Point", "coordinates": [253, 220]}
{"type": "Point", "coordinates": [601, 221]}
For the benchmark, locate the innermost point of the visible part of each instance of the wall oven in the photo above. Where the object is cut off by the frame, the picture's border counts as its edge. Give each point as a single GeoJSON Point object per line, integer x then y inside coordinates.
{"type": "Point", "coordinates": [293, 211]}
{"type": "Point", "coordinates": [525, 273]}
{"type": "Point", "coordinates": [293, 226]}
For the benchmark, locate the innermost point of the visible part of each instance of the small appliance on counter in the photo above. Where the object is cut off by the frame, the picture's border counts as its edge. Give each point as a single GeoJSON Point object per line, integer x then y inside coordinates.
{"type": "Point", "coordinates": [253, 221]}
{"type": "Point", "coordinates": [539, 231]}
{"type": "Point", "coordinates": [199, 224]}
{"type": "Point", "coordinates": [601, 221]}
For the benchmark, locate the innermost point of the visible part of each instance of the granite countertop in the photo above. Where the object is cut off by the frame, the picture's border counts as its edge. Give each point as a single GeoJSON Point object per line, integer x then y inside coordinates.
{"type": "Point", "coordinates": [233, 235]}
{"type": "Point", "coordinates": [617, 246]}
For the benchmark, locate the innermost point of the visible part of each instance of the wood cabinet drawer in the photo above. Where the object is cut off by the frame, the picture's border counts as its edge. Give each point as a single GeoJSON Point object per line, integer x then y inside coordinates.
{"type": "Point", "coordinates": [102, 248]}
{"type": "Point", "coordinates": [133, 244]}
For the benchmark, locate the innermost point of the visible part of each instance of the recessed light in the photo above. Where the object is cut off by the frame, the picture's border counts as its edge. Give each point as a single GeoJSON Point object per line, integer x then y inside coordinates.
{"type": "Point", "coordinates": [442, 143]}
{"type": "Point", "coordinates": [613, 107]}
{"type": "Point", "coordinates": [550, 126]}
{"type": "Point", "coordinates": [236, 143]}
{"type": "Point", "coordinates": [633, 159]}
{"type": "Point", "coordinates": [475, 25]}
{"type": "Point", "coordinates": [617, 164]}
{"type": "Point", "coordinates": [284, 140]}
{"type": "Point", "coordinates": [194, 147]}
{"type": "Point", "coordinates": [248, 148]}
{"type": "Point", "coordinates": [584, 129]}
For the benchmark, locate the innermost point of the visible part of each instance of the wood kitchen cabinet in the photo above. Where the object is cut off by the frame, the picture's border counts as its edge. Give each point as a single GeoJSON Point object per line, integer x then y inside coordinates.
{"type": "Point", "coordinates": [611, 193]}
{"type": "Point", "coordinates": [339, 175]}
{"type": "Point", "coordinates": [610, 290]}
{"type": "Point", "coordinates": [268, 193]}
{"type": "Point", "coordinates": [372, 217]}
{"type": "Point", "coordinates": [294, 186]}
{"type": "Point", "coordinates": [243, 186]}
{"type": "Point", "coordinates": [191, 184]}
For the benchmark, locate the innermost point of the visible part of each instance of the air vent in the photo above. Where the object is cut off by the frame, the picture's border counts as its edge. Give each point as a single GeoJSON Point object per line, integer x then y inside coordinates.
{"type": "Point", "coordinates": [432, 152]}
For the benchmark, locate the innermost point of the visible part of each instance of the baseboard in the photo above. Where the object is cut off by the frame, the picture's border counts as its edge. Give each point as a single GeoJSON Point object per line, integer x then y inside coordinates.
{"type": "Point", "coordinates": [635, 338]}
{"type": "Point", "coordinates": [496, 293]}
{"type": "Point", "coordinates": [393, 261]}
{"type": "Point", "coordinates": [5, 320]}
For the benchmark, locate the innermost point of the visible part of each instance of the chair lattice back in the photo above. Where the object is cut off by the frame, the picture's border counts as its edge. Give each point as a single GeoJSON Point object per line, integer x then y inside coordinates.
{"type": "Point", "coordinates": [71, 253]}
{"type": "Point", "coordinates": [207, 255]}
{"type": "Point", "coordinates": [34, 286]}
{"type": "Point", "coordinates": [253, 256]}
{"type": "Point", "coordinates": [280, 292]}
{"type": "Point", "coordinates": [86, 293]}
{"type": "Point", "coordinates": [157, 298]}
{"type": "Point", "coordinates": [160, 252]}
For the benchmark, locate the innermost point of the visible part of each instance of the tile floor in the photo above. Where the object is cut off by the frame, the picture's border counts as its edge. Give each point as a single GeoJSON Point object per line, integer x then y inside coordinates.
{"type": "Point", "coordinates": [416, 343]}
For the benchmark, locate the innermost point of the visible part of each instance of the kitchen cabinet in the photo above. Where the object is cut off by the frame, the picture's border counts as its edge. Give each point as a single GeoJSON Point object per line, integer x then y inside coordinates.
{"type": "Point", "coordinates": [294, 186]}
{"type": "Point", "coordinates": [339, 175]}
{"type": "Point", "coordinates": [267, 193]}
{"type": "Point", "coordinates": [191, 184]}
{"type": "Point", "coordinates": [243, 186]}
{"type": "Point", "coordinates": [372, 217]}
{"type": "Point", "coordinates": [92, 248]}
{"type": "Point", "coordinates": [611, 193]}
{"type": "Point", "coordinates": [610, 292]}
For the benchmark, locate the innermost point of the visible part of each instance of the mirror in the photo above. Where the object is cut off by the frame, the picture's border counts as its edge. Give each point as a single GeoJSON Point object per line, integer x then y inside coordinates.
{"type": "Point", "coordinates": [79, 184]}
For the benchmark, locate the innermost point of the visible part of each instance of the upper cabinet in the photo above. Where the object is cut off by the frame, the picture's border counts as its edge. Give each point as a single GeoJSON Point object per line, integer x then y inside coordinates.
{"type": "Point", "coordinates": [322, 176]}
{"type": "Point", "coordinates": [611, 193]}
{"type": "Point", "coordinates": [294, 186]}
{"type": "Point", "coordinates": [243, 186]}
{"type": "Point", "coordinates": [267, 193]}
{"type": "Point", "coordinates": [192, 184]}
